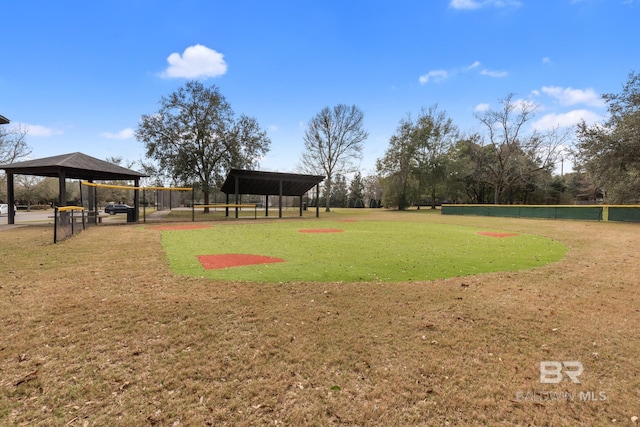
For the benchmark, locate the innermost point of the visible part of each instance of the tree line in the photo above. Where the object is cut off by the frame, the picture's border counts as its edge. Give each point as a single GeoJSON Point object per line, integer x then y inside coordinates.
{"type": "Point", "coordinates": [195, 137]}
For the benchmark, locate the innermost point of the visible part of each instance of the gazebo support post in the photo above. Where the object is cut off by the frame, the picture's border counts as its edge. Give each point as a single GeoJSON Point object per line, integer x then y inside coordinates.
{"type": "Point", "coordinates": [62, 188]}
{"type": "Point", "coordinates": [136, 200]}
{"type": "Point", "coordinates": [12, 200]}
{"type": "Point", "coordinates": [280, 201]}
{"type": "Point", "coordinates": [317, 200]}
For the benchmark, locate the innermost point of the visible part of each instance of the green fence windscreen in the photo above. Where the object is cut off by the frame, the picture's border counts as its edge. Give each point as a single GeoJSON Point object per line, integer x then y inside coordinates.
{"type": "Point", "coordinates": [627, 214]}
{"type": "Point", "coordinates": [593, 213]}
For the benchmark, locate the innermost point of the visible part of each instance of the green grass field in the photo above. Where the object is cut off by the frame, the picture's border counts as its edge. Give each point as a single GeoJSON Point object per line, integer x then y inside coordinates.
{"type": "Point", "coordinates": [365, 251]}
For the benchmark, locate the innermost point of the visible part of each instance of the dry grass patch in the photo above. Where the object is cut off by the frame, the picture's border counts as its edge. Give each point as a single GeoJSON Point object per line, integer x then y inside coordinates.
{"type": "Point", "coordinates": [97, 333]}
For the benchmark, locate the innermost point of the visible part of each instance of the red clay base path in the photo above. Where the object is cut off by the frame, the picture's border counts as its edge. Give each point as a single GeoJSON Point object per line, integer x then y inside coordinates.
{"type": "Point", "coordinates": [214, 262]}
{"type": "Point", "coordinates": [494, 234]}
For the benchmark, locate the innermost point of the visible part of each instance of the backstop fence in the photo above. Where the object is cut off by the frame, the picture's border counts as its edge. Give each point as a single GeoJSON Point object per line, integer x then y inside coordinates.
{"type": "Point", "coordinates": [623, 213]}
{"type": "Point", "coordinates": [67, 221]}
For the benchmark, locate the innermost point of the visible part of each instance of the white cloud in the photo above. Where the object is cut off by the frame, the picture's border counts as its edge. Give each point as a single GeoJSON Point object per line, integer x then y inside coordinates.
{"type": "Point", "coordinates": [571, 118]}
{"type": "Point", "coordinates": [195, 61]}
{"type": "Point", "coordinates": [273, 128]}
{"type": "Point", "coordinates": [37, 130]}
{"type": "Point", "coordinates": [476, 64]}
{"type": "Point", "coordinates": [570, 96]}
{"type": "Point", "coordinates": [123, 134]}
{"type": "Point", "coordinates": [497, 74]}
{"type": "Point", "coordinates": [546, 60]}
{"type": "Point", "coordinates": [435, 75]}
{"type": "Point", "coordinates": [481, 107]}
{"type": "Point", "coordinates": [477, 4]}
{"type": "Point", "coordinates": [465, 4]}
{"type": "Point", "coordinates": [438, 76]}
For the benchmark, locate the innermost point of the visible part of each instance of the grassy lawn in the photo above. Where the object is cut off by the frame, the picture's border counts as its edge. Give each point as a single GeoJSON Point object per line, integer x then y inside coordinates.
{"type": "Point", "coordinates": [370, 251]}
{"type": "Point", "coordinates": [99, 329]}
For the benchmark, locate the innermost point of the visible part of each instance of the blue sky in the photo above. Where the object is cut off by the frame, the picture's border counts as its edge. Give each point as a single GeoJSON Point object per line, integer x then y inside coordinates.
{"type": "Point", "coordinates": [79, 74]}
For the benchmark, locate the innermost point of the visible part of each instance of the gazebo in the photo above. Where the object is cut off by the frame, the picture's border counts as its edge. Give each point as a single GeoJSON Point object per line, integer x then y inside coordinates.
{"type": "Point", "coordinates": [69, 166]}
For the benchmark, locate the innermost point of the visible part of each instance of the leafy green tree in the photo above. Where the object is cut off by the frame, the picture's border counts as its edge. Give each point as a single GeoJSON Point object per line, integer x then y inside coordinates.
{"type": "Point", "coordinates": [196, 137]}
{"type": "Point", "coordinates": [397, 167]}
{"type": "Point", "coordinates": [417, 159]}
{"type": "Point", "coordinates": [581, 188]}
{"type": "Point", "coordinates": [340, 193]}
{"type": "Point", "coordinates": [356, 191]}
{"type": "Point", "coordinates": [466, 181]}
{"type": "Point", "coordinates": [433, 135]}
{"type": "Point", "coordinates": [373, 189]}
{"type": "Point", "coordinates": [48, 188]}
{"type": "Point", "coordinates": [27, 189]}
{"type": "Point", "coordinates": [610, 151]}
{"type": "Point", "coordinates": [333, 143]}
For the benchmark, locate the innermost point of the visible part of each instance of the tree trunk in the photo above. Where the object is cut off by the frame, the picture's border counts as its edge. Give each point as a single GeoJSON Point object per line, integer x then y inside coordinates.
{"type": "Point", "coordinates": [205, 190]}
{"type": "Point", "coordinates": [328, 196]}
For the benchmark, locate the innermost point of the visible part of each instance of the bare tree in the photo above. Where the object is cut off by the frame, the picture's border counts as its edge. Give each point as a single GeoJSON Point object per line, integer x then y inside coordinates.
{"type": "Point", "coordinates": [513, 155]}
{"type": "Point", "coordinates": [13, 144]}
{"type": "Point", "coordinates": [333, 142]}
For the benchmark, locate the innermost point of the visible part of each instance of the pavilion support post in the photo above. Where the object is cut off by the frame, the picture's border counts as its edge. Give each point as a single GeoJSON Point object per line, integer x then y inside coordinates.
{"type": "Point", "coordinates": [226, 209]}
{"type": "Point", "coordinates": [136, 200]}
{"type": "Point", "coordinates": [317, 200]}
{"type": "Point", "coordinates": [266, 205]}
{"type": "Point", "coordinates": [62, 189]}
{"type": "Point", "coordinates": [62, 197]}
{"type": "Point", "coordinates": [301, 205]}
{"type": "Point", "coordinates": [91, 202]}
{"type": "Point", "coordinates": [280, 201]}
{"type": "Point", "coordinates": [237, 194]}
{"type": "Point", "coordinates": [12, 202]}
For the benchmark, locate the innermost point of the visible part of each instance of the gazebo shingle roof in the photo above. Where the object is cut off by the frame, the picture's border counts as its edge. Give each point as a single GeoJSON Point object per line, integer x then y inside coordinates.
{"type": "Point", "coordinates": [74, 166]}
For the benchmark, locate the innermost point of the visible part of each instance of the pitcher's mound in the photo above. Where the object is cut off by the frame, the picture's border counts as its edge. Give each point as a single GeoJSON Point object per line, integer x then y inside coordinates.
{"type": "Point", "coordinates": [493, 234]}
{"type": "Point", "coordinates": [213, 262]}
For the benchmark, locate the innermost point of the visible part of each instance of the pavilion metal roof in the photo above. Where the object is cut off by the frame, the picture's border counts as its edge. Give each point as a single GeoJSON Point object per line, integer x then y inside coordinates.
{"type": "Point", "coordinates": [74, 166]}
{"type": "Point", "coordinates": [3, 120]}
{"type": "Point", "coordinates": [268, 183]}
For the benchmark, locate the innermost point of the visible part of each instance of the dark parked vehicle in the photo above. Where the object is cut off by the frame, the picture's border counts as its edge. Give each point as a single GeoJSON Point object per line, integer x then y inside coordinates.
{"type": "Point", "coordinates": [113, 209]}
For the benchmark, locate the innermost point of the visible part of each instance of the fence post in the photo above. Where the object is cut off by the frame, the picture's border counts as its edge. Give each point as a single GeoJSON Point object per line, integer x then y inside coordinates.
{"type": "Point", "coordinates": [55, 225]}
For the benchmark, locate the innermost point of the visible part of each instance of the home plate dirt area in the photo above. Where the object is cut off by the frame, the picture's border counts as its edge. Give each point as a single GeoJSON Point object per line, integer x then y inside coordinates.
{"type": "Point", "coordinates": [214, 262]}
